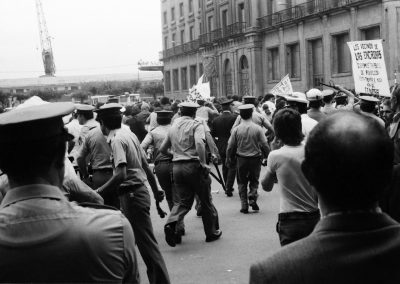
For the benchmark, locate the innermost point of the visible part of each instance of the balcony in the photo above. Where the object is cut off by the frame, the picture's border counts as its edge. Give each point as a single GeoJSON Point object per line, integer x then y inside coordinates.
{"type": "Point", "coordinates": [180, 49]}
{"type": "Point", "coordinates": [236, 29]}
{"type": "Point", "coordinates": [304, 10]}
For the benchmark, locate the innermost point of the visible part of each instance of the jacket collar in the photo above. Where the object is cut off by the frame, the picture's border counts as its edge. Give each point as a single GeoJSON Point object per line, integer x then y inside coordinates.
{"type": "Point", "coordinates": [31, 191]}
{"type": "Point", "coordinates": [354, 222]}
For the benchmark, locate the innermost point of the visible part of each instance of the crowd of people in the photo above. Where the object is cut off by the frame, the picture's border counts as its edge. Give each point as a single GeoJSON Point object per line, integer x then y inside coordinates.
{"type": "Point", "coordinates": [75, 195]}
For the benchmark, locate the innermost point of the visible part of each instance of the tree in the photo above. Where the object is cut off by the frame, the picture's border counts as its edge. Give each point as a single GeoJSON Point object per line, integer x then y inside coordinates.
{"type": "Point", "coordinates": [81, 96]}
{"type": "Point", "coordinates": [153, 89]}
{"type": "Point", "coordinates": [46, 94]}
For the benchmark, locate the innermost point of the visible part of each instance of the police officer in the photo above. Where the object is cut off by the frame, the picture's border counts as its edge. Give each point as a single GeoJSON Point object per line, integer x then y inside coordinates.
{"type": "Point", "coordinates": [191, 174]}
{"type": "Point", "coordinates": [369, 107]}
{"type": "Point", "coordinates": [86, 119]}
{"type": "Point", "coordinates": [221, 131]}
{"type": "Point", "coordinates": [56, 241]}
{"type": "Point", "coordinates": [257, 117]}
{"type": "Point", "coordinates": [249, 144]}
{"type": "Point", "coordinates": [96, 152]}
{"type": "Point", "coordinates": [314, 96]}
{"type": "Point", "coordinates": [130, 173]}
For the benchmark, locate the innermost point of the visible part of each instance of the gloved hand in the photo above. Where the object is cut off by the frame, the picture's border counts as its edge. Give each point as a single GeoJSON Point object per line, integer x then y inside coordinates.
{"type": "Point", "coordinates": [159, 196]}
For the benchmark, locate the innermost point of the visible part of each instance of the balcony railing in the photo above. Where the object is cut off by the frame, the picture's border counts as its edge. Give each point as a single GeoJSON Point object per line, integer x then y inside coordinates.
{"type": "Point", "coordinates": [304, 10]}
{"type": "Point", "coordinates": [180, 49]}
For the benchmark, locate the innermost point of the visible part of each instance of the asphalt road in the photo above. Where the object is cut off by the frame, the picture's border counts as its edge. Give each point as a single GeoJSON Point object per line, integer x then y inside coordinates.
{"type": "Point", "coordinates": [245, 240]}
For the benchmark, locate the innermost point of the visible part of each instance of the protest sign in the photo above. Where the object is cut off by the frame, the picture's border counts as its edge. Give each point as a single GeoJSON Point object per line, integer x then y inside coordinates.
{"type": "Point", "coordinates": [201, 91]}
{"type": "Point", "coordinates": [369, 68]}
{"type": "Point", "coordinates": [284, 87]}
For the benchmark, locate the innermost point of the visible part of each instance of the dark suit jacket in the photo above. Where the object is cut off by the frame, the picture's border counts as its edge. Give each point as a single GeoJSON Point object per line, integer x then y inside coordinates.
{"type": "Point", "coordinates": [356, 248]}
{"type": "Point", "coordinates": [221, 130]}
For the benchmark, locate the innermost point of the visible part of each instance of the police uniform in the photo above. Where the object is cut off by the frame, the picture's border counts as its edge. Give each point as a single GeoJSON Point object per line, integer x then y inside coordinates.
{"type": "Point", "coordinates": [315, 95]}
{"type": "Point", "coordinates": [133, 194]}
{"type": "Point", "coordinates": [86, 127]}
{"type": "Point", "coordinates": [257, 117]}
{"type": "Point", "coordinates": [57, 241]}
{"type": "Point", "coordinates": [249, 144]}
{"type": "Point", "coordinates": [97, 152]}
{"type": "Point", "coordinates": [221, 131]}
{"type": "Point", "coordinates": [185, 138]}
{"type": "Point", "coordinates": [371, 102]}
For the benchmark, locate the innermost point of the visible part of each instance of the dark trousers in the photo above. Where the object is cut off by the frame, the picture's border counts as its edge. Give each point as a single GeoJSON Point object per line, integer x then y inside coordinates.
{"type": "Point", "coordinates": [163, 170]}
{"type": "Point", "coordinates": [248, 173]}
{"type": "Point", "coordinates": [99, 178]}
{"type": "Point", "coordinates": [229, 175]}
{"type": "Point", "coordinates": [293, 226]}
{"type": "Point", "coordinates": [190, 179]}
{"type": "Point", "coordinates": [135, 204]}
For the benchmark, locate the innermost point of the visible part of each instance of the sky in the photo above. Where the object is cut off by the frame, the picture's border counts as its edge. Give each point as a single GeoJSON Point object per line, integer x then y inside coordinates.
{"type": "Point", "coordinates": [88, 36]}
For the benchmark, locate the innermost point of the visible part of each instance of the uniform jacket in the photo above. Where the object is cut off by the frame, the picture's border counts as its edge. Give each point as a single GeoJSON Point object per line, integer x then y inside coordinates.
{"type": "Point", "coordinates": [221, 130]}
{"type": "Point", "coordinates": [350, 248]}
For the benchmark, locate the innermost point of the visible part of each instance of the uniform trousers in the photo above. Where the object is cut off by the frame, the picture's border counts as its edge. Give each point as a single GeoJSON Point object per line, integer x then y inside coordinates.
{"type": "Point", "coordinates": [229, 174]}
{"type": "Point", "coordinates": [190, 179]}
{"type": "Point", "coordinates": [99, 178]}
{"type": "Point", "coordinates": [135, 204]}
{"type": "Point", "coordinates": [163, 170]}
{"type": "Point", "coordinates": [248, 173]}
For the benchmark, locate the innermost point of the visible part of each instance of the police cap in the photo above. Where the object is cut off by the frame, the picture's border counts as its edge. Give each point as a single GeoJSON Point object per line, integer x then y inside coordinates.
{"type": "Point", "coordinates": [369, 99]}
{"type": "Point", "coordinates": [297, 97]}
{"type": "Point", "coordinates": [35, 122]}
{"type": "Point", "coordinates": [189, 105]}
{"type": "Point", "coordinates": [328, 92]}
{"type": "Point", "coordinates": [314, 95]}
{"type": "Point", "coordinates": [109, 109]}
{"type": "Point", "coordinates": [84, 108]}
{"type": "Point", "coordinates": [246, 107]}
{"type": "Point", "coordinates": [249, 99]}
{"type": "Point", "coordinates": [164, 114]}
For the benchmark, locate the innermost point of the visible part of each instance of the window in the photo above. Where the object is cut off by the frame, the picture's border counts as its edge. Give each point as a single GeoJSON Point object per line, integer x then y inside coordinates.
{"type": "Point", "coordinates": [181, 10]}
{"type": "Point", "coordinates": [293, 60]}
{"type": "Point", "coordinates": [273, 64]}
{"type": "Point", "coordinates": [201, 70]}
{"type": "Point", "coordinates": [175, 79]}
{"type": "Point", "coordinates": [173, 14]}
{"type": "Point", "coordinates": [190, 6]}
{"type": "Point", "coordinates": [184, 78]}
{"type": "Point", "coordinates": [167, 81]}
{"type": "Point", "coordinates": [173, 39]}
{"type": "Point", "coordinates": [241, 14]}
{"type": "Point", "coordinates": [166, 42]}
{"type": "Point", "coordinates": [192, 75]}
{"type": "Point", "coordinates": [224, 19]}
{"type": "Point", "coordinates": [371, 33]}
{"type": "Point", "coordinates": [191, 33]}
{"type": "Point", "coordinates": [210, 25]}
{"type": "Point", "coordinates": [182, 36]}
{"type": "Point", "coordinates": [341, 54]}
{"type": "Point", "coordinates": [165, 17]}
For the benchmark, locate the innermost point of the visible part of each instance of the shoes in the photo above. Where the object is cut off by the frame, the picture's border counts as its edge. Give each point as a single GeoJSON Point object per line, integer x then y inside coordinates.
{"type": "Point", "coordinates": [229, 193]}
{"type": "Point", "coordinates": [170, 236]}
{"type": "Point", "coordinates": [254, 206]}
{"type": "Point", "coordinates": [214, 236]}
{"type": "Point", "coordinates": [244, 211]}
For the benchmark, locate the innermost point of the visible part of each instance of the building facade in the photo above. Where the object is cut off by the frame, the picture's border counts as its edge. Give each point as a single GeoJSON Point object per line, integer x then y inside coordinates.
{"type": "Point", "coordinates": [251, 44]}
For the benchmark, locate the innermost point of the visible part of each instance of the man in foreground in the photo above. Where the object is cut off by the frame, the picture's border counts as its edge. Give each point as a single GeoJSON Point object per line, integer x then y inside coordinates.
{"type": "Point", "coordinates": [130, 174]}
{"type": "Point", "coordinates": [44, 237]}
{"type": "Point", "coordinates": [354, 242]}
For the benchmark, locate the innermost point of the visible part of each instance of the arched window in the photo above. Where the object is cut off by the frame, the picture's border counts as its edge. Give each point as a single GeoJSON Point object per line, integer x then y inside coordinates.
{"type": "Point", "coordinates": [243, 76]}
{"type": "Point", "coordinates": [227, 78]}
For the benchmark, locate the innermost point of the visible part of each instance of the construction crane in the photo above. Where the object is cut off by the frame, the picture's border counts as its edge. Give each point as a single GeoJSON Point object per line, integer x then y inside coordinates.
{"type": "Point", "coordinates": [47, 51]}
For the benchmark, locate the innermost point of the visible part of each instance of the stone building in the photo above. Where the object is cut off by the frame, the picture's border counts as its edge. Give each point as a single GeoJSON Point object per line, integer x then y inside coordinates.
{"type": "Point", "coordinates": [252, 44]}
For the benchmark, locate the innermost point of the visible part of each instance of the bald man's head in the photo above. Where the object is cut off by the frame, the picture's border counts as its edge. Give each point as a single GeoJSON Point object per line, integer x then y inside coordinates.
{"type": "Point", "coordinates": [349, 159]}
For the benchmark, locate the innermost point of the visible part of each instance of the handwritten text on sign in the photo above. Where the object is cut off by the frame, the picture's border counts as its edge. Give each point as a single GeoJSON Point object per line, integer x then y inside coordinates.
{"type": "Point", "coordinates": [369, 68]}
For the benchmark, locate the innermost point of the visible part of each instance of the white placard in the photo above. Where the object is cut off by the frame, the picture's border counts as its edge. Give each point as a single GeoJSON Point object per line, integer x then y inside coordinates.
{"type": "Point", "coordinates": [284, 87]}
{"type": "Point", "coordinates": [369, 68]}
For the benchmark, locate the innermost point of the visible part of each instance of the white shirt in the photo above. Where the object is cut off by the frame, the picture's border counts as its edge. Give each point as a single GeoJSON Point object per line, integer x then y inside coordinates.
{"type": "Point", "coordinates": [307, 124]}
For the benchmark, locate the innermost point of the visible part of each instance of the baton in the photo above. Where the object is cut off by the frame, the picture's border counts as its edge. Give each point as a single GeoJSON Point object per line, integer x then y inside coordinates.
{"type": "Point", "coordinates": [219, 178]}
{"type": "Point", "coordinates": [161, 212]}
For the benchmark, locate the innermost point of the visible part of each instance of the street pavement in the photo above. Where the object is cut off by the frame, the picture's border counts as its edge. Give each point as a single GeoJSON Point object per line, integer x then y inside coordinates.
{"type": "Point", "coordinates": [245, 240]}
